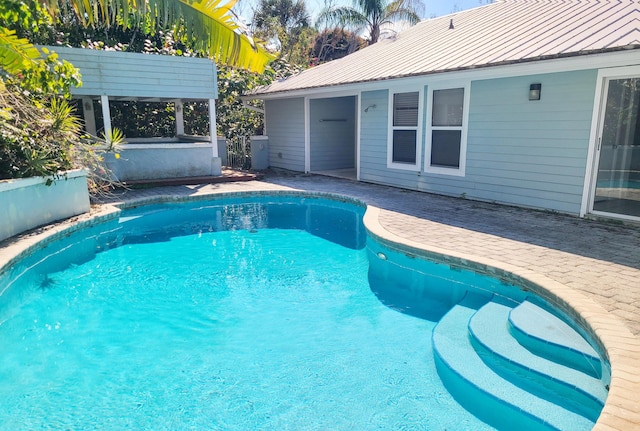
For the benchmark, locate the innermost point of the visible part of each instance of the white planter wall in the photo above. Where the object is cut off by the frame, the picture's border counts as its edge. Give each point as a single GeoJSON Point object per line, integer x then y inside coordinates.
{"type": "Point", "coordinates": [27, 203]}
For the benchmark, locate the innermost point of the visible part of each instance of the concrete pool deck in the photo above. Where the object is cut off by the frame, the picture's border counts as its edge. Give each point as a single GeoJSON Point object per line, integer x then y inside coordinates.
{"type": "Point", "coordinates": [590, 268]}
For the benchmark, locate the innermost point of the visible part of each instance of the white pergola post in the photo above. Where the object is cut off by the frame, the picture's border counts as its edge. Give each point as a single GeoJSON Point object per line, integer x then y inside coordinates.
{"type": "Point", "coordinates": [179, 108]}
{"type": "Point", "coordinates": [106, 117]}
{"type": "Point", "coordinates": [212, 127]}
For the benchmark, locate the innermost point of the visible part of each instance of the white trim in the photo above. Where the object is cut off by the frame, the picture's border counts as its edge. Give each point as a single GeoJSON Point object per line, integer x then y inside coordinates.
{"type": "Point", "coordinates": [418, 128]}
{"type": "Point", "coordinates": [358, 126]}
{"type": "Point", "coordinates": [106, 117]}
{"type": "Point", "coordinates": [18, 183]}
{"type": "Point", "coordinates": [168, 146]}
{"type": "Point", "coordinates": [534, 67]}
{"type": "Point", "coordinates": [212, 128]}
{"type": "Point", "coordinates": [593, 155]}
{"type": "Point", "coordinates": [307, 135]}
{"type": "Point", "coordinates": [588, 188]}
{"type": "Point", "coordinates": [447, 85]}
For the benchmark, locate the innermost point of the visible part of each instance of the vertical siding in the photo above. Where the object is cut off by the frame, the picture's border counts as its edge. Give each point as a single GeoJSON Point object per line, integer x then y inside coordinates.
{"type": "Point", "coordinates": [530, 153]}
{"type": "Point", "coordinates": [284, 119]}
{"type": "Point", "coordinates": [332, 134]}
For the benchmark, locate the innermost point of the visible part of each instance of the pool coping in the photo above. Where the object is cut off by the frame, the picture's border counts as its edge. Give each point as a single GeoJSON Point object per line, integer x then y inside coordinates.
{"type": "Point", "coordinates": [622, 408]}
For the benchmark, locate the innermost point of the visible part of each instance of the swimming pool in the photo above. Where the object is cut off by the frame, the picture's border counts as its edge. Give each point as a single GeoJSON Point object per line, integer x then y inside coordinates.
{"type": "Point", "coordinates": [249, 328]}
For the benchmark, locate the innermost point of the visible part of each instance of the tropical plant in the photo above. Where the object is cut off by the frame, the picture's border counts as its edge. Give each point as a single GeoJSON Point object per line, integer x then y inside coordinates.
{"type": "Point", "coordinates": [370, 17]}
{"type": "Point", "coordinates": [44, 139]}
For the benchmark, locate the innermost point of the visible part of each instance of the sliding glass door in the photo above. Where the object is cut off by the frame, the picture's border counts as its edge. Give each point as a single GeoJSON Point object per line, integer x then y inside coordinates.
{"type": "Point", "coordinates": [617, 185]}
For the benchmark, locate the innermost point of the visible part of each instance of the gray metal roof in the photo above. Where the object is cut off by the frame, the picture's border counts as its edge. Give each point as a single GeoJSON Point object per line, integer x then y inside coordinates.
{"type": "Point", "coordinates": [508, 31]}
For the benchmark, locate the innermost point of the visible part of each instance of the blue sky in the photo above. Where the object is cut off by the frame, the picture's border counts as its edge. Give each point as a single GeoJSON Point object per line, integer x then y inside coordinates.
{"type": "Point", "coordinates": [433, 8]}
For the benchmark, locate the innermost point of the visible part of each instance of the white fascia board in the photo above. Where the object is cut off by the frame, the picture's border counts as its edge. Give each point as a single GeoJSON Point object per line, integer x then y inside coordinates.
{"type": "Point", "coordinates": [566, 64]}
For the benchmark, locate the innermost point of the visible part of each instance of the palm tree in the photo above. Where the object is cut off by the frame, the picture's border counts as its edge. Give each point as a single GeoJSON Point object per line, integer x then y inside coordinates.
{"type": "Point", "coordinates": [370, 16]}
{"type": "Point", "coordinates": [209, 23]}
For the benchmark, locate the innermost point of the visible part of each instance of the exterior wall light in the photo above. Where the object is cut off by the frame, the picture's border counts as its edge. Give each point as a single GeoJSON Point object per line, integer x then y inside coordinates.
{"type": "Point", "coordinates": [534, 91]}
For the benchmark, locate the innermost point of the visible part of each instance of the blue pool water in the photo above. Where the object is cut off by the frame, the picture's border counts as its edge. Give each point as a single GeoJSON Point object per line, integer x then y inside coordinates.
{"type": "Point", "coordinates": [619, 184]}
{"type": "Point", "coordinates": [268, 315]}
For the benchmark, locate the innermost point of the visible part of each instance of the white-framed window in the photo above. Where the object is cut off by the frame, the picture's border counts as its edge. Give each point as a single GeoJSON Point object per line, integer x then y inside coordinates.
{"type": "Point", "coordinates": [404, 146]}
{"type": "Point", "coordinates": [446, 131]}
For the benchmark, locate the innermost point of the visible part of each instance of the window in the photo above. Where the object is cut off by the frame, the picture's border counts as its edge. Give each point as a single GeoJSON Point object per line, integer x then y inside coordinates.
{"type": "Point", "coordinates": [404, 133]}
{"type": "Point", "coordinates": [446, 134]}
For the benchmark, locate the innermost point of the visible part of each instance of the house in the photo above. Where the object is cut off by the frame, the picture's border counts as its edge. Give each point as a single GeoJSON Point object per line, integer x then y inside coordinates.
{"type": "Point", "coordinates": [525, 102]}
{"type": "Point", "coordinates": [115, 76]}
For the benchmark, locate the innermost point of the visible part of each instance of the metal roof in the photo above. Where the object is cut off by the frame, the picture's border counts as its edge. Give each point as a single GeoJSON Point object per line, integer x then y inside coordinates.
{"type": "Point", "coordinates": [508, 31]}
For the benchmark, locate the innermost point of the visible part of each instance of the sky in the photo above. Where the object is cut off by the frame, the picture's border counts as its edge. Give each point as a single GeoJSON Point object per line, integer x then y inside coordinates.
{"type": "Point", "coordinates": [433, 8]}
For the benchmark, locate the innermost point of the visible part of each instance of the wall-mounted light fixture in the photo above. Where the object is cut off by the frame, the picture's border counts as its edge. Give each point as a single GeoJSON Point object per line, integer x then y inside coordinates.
{"type": "Point", "coordinates": [370, 107]}
{"type": "Point", "coordinates": [534, 91]}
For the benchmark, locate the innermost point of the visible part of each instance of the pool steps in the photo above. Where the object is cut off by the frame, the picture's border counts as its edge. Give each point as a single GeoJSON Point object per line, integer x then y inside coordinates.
{"type": "Point", "coordinates": [543, 333]}
{"type": "Point", "coordinates": [490, 335]}
{"type": "Point", "coordinates": [487, 381]}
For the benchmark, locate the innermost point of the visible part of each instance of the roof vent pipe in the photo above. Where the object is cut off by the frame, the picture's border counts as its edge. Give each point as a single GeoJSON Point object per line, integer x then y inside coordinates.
{"type": "Point", "coordinates": [451, 24]}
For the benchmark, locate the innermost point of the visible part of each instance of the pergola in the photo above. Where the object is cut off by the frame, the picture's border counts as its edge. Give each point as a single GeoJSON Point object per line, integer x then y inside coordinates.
{"type": "Point", "coordinates": [123, 76]}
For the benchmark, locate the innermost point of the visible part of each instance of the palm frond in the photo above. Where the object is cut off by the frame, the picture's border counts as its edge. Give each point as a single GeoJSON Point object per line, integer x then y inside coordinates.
{"type": "Point", "coordinates": [209, 22]}
{"type": "Point", "coordinates": [370, 8]}
{"type": "Point", "coordinates": [226, 42]}
{"type": "Point", "coordinates": [398, 10]}
{"type": "Point", "coordinates": [344, 16]}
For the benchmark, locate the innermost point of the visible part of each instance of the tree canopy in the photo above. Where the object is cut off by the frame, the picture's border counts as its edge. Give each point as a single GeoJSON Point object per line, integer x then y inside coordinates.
{"type": "Point", "coordinates": [371, 16]}
{"type": "Point", "coordinates": [286, 24]}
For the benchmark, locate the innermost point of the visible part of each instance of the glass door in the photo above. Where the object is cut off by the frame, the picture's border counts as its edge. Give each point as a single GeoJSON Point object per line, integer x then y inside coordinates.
{"type": "Point", "coordinates": [617, 186]}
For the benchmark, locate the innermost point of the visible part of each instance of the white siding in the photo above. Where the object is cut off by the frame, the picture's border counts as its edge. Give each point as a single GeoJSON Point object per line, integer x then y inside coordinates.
{"type": "Point", "coordinates": [284, 119]}
{"type": "Point", "coordinates": [332, 133]}
{"type": "Point", "coordinates": [126, 74]}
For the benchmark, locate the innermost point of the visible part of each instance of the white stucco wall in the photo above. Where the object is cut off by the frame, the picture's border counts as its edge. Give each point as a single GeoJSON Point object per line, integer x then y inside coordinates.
{"type": "Point", "coordinates": [159, 161]}
{"type": "Point", "coordinates": [27, 203]}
